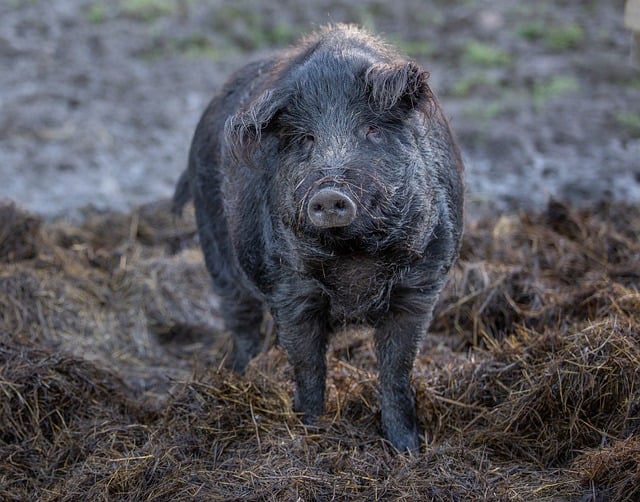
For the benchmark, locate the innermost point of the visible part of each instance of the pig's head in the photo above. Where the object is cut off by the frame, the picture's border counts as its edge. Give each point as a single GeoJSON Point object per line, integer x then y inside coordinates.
{"type": "Point", "coordinates": [343, 141]}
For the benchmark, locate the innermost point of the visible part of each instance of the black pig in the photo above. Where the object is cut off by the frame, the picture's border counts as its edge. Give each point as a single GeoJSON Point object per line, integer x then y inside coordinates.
{"type": "Point", "coordinates": [327, 188]}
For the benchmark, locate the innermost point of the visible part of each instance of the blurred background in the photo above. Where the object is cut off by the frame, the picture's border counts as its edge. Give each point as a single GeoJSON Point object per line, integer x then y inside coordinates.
{"type": "Point", "coordinates": [99, 99]}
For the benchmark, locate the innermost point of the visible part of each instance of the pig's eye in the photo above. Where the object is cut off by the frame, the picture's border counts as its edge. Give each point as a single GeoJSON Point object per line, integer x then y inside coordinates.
{"type": "Point", "coordinates": [308, 140]}
{"type": "Point", "coordinates": [373, 134]}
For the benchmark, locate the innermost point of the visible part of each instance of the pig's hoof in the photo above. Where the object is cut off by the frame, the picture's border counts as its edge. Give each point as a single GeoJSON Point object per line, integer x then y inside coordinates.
{"type": "Point", "coordinates": [403, 440]}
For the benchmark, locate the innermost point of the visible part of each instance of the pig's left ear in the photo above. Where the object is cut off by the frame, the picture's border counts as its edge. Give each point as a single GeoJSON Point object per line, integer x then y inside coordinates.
{"type": "Point", "coordinates": [243, 132]}
{"type": "Point", "coordinates": [398, 87]}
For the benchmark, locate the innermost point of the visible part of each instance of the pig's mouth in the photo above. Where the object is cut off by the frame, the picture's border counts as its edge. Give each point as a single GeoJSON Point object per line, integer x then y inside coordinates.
{"type": "Point", "coordinates": [340, 224]}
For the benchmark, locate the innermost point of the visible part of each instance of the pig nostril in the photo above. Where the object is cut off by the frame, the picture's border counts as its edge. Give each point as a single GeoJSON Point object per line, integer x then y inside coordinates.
{"type": "Point", "coordinates": [330, 208]}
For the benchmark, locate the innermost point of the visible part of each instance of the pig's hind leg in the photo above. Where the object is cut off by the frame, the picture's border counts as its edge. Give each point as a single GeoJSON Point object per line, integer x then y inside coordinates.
{"type": "Point", "coordinates": [241, 310]}
{"type": "Point", "coordinates": [243, 315]}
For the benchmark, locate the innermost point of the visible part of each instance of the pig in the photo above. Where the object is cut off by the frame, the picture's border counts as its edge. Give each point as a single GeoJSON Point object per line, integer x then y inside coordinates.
{"type": "Point", "coordinates": [328, 191]}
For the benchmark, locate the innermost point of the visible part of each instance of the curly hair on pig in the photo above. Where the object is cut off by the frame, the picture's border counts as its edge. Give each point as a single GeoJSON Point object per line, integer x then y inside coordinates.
{"type": "Point", "coordinates": [328, 191]}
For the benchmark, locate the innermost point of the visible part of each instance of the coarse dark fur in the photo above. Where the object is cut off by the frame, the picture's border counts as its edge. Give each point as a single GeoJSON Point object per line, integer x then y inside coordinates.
{"type": "Point", "coordinates": [340, 115]}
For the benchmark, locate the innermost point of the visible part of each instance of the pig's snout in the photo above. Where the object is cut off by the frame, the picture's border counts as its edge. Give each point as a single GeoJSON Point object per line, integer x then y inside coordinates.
{"type": "Point", "coordinates": [330, 208]}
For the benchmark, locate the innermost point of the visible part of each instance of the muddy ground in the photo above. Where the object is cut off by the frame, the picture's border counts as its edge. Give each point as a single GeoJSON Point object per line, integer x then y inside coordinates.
{"type": "Point", "coordinates": [112, 378]}
{"type": "Point", "coordinates": [98, 99]}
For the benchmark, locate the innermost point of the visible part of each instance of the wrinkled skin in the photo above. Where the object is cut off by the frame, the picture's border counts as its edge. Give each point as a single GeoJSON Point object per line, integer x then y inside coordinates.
{"type": "Point", "coordinates": [327, 189]}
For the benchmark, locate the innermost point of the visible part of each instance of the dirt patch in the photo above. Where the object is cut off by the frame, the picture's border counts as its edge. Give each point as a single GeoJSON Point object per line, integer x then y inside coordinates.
{"type": "Point", "coordinates": [102, 98]}
{"type": "Point", "coordinates": [114, 386]}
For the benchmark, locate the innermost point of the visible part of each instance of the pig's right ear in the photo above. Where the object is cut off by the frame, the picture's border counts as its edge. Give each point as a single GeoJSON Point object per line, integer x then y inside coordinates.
{"type": "Point", "coordinates": [244, 131]}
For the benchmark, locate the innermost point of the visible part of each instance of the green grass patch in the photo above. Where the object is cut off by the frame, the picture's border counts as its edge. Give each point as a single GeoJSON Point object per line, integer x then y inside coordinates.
{"type": "Point", "coordinates": [414, 48]}
{"type": "Point", "coordinates": [544, 90]}
{"type": "Point", "coordinates": [630, 121]}
{"type": "Point", "coordinates": [197, 45]}
{"type": "Point", "coordinates": [467, 85]}
{"type": "Point", "coordinates": [565, 37]}
{"type": "Point", "coordinates": [482, 54]}
{"type": "Point", "coordinates": [96, 13]}
{"type": "Point", "coordinates": [557, 38]}
{"type": "Point", "coordinates": [148, 10]}
{"type": "Point", "coordinates": [193, 46]}
{"type": "Point", "coordinates": [485, 111]}
{"type": "Point", "coordinates": [250, 30]}
{"type": "Point", "coordinates": [633, 83]}
{"type": "Point", "coordinates": [534, 30]}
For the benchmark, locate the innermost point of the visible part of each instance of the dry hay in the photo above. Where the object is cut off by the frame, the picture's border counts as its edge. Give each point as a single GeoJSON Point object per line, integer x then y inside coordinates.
{"type": "Point", "coordinates": [113, 387]}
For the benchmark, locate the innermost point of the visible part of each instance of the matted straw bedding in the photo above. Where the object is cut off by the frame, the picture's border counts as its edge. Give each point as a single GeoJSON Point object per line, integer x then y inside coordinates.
{"type": "Point", "coordinates": [113, 385]}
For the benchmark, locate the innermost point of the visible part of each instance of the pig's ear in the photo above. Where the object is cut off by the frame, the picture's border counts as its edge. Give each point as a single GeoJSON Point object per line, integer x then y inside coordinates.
{"type": "Point", "coordinates": [398, 87]}
{"type": "Point", "coordinates": [243, 132]}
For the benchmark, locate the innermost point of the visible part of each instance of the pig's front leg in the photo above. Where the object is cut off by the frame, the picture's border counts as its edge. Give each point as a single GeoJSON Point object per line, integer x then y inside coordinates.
{"type": "Point", "coordinates": [303, 332]}
{"type": "Point", "coordinates": [396, 346]}
{"type": "Point", "coordinates": [306, 344]}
